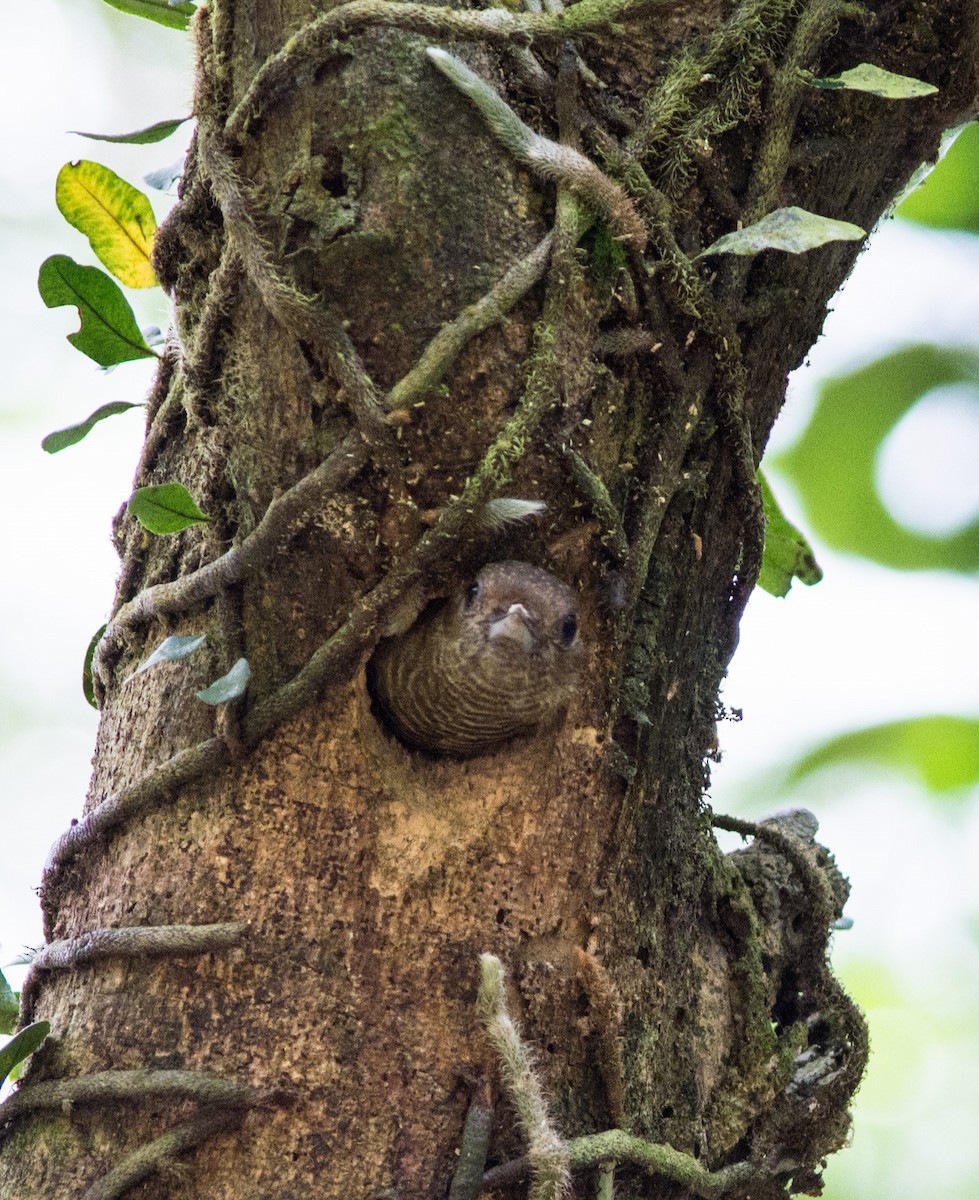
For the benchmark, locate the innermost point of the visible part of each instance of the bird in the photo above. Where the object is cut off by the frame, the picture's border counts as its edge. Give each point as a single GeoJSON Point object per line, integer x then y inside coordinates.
{"type": "Point", "coordinates": [498, 660]}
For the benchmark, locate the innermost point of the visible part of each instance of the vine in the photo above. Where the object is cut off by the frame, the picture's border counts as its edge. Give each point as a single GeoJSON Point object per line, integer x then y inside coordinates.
{"type": "Point", "coordinates": [550, 1158]}
{"type": "Point", "coordinates": [308, 48]}
{"type": "Point", "coordinates": [142, 941]}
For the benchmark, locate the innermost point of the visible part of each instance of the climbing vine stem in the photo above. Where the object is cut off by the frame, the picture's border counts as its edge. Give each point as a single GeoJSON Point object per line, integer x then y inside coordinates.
{"type": "Point", "coordinates": [305, 50]}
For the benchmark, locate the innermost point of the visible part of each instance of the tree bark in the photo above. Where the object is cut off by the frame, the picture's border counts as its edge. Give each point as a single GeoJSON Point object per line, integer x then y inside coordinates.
{"type": "Point", "coordinates": [385, 318]}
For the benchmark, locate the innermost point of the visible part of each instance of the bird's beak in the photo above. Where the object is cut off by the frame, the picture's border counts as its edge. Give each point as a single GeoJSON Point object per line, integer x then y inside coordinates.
{"type": "Point", "coordinates": [516, 625]}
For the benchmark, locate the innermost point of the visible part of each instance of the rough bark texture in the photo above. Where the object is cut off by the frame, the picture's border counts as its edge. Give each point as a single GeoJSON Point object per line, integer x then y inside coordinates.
{"type": "Point", "coordinates": [327, 230]}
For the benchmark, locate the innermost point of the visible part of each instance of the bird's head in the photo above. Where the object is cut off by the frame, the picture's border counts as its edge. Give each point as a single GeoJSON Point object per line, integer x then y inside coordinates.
{"type": "Point", "coordinates": [520, 611]}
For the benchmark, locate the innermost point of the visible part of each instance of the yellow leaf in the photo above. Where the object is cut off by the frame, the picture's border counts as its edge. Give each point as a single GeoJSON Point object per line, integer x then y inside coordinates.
{"type": "Point", "coordinates": [114, 216]}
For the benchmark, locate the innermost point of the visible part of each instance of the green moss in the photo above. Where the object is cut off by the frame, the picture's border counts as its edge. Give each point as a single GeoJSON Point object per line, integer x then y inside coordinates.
{"type": "Point", "coordinates": [747, 1080]}
{"type": "Point", "coordinates": [393, 135]}
{"type": "Point", "coordinates": [49, 1136]}
{"type": "Point", "coordinates": [606, 253]}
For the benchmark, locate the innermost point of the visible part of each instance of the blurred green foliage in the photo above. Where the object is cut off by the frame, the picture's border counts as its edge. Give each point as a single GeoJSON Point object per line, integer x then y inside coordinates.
{"type": "Point", "coordinates": [833, 464]}
{"type": "Point", "coordinates": [939, 752]}
{"type": "Point", "coordinates": [833, 467]}
{"type": "Point", "coordinates": [949, 197]}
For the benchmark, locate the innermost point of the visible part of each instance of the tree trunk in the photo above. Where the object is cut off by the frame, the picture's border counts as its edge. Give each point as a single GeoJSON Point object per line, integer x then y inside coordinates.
{"type": "Point", "coordinates": [386, 317]}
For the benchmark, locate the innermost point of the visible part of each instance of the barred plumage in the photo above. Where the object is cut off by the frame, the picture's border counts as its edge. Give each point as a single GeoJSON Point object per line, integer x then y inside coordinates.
{"type": "Point", "coordinates": [502, 659]}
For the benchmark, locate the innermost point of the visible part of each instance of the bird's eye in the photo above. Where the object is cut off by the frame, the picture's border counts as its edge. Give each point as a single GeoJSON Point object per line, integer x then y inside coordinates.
{"type": "Point", "coordinates": [471, 593]}
{"type": "Point", "coordinates": [568, 629]}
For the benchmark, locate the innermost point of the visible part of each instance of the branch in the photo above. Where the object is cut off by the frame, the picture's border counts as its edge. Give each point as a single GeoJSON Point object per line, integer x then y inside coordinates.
{"type": "Point", "coordinates": [616, 1146]}
{"type": "Point", "coordinates": [467, 1179]}
{"type": "Point", "coordinates": [548, 1154]}
{"type": "Point", "coordinates": [200, 365]}
{"type": "Point", "coordinates": [143, 796]}
{"type": "Point", "coordinates": [306, 317]}
{"type": "Point", "coordinates": [141, 941]}
{"type": "Point", "coordinates": [791, 834]}
{"type": "Point", "coordinates": [606, 1011]}
{"type": "Point", "coordinates": [304, 51]}
{"type": "Point", "coordinates": [117, 1086]}
{"type": "Point", "coordinates": [817, 22]}
{"type": "Point", "coordinates": [156, 1156]}
{"type": "Point", "coordinates": [452, 338]}
{"type": "Point", "coordinates": [674, 122]}
{"type": "Point", "coordinates": [549, 160]}
{"type": "Point", "coordinates": [300, 501]}
{"type": "Point", "coordinates": [602, 505]}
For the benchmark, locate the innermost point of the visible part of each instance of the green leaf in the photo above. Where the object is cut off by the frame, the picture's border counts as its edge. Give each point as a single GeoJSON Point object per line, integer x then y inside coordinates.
{"type": "Point", "coordinates": [171, 649]}
{"type": "Point", "coordinates": [949, 198]}
{"type": "Point", "coordinates": [22, 1046]}
{"type": "Point", "coordinates": [63, 438]}
{"type": "Point", "coordinates": [165, 508]}
{"type": "Point", "coordinates": [174, 16]}
{"type": "Point", "coordinates": [228, 687]}
{"type": "Point", "coordinates": [109, 333]}
{"type": "Point", "coordinates": [868, 78]}
{"type": "Point", "coordinates": [791, 229]}
{"type": "Point", "coordinates": [88, 684]}
{"type": "Point", "coordinates": [833, 464]}
{"type": "Point", "coordinates": [142, 137]}
{"type": "Point", "coordinates": [114, 216]}
{"type": "Point", "coordinates": [787, 554]}
{"type": "Point", "coordinates": [8, 1005]}
{"type": "Point", "coordinates": [941, 752]}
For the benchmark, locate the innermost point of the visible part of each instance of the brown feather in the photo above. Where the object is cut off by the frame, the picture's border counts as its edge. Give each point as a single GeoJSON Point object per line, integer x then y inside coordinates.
{"type": "Point", "coordinates": [496, 662]}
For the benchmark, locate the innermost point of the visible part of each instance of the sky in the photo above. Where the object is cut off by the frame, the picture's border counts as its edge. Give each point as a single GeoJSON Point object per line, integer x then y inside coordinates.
{"type": "Point", "coordinates": [863, 646]}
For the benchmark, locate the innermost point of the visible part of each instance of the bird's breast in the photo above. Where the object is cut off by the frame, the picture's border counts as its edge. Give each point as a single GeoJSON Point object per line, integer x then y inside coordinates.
{"type": "Point", "coordinates": [455, 694]}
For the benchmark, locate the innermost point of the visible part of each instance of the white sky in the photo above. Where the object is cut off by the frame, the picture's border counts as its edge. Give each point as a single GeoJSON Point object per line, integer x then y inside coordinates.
{"type": "Point", "coordinates": [863, 646]}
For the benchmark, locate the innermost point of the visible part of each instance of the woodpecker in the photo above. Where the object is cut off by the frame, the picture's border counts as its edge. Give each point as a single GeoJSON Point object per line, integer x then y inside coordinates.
{"type": "Point", "coordinates": [498, 660]}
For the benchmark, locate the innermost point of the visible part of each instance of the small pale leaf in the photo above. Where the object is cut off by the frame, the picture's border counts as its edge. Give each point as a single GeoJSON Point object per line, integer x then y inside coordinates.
{"type": "Point", "coordinates": [791, 229]}
{"type": "Point", "coordinates": [164, 178]}
{"type": "Point", "coordinates": [61, 439]}
{"type": "Point", "coordinates": [22, 1046]}
{"type": "Point", "coordinates": [109, 333]}
{"type": "Point", "coordinates": [228, 687]}
{"type": "Point", "coordinates": [171, 649]}
{"type": "Point", "coordinates": [868, 78]}
{"type": "Point", "coordinates": [174, 16]}
{"type": "Point", "coordinates": [787, 554]}
{"type": "Point", "coordinates": [88, 684]}
{"type": "Point", "coordinates": [165, 508]}
{"type": "Point", "coordinates": [142, 137]}
{"type": "Point", "coordinates": [507, 510]}
{"type": "Point", "coordinates": [114, 216]}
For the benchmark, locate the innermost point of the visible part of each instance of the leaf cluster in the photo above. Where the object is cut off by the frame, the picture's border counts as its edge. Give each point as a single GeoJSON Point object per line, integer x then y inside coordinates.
{"type": "Point", "coordinates": [118, 221]}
